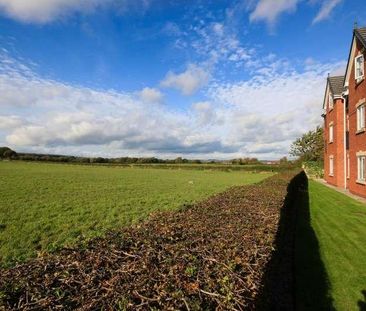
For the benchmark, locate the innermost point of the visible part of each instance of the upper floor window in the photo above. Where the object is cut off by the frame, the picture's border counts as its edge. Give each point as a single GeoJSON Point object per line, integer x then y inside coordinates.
{"type": "Point", "coordinates": [330, 101]}
{"type": "Point", "coordinates": [331, 165]}
{"type": "Point", "coordinates": [359, 67]}
{"type": "Point", "coordinates": [331, 133]}
{"type": "Point", "coordinates": [360, 117]}
{"type": "Point", "coordinates": [361, 161]}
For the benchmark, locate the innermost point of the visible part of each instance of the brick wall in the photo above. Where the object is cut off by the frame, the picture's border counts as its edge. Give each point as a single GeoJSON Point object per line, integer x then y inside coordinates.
{"type": "Point", "coordinates": [357, 141]}
{"type": "Point", "coordinates": [335, 149]}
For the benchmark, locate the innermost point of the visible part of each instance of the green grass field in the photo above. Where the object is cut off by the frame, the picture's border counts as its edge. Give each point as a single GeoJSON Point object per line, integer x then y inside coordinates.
{"type": "Point", "coordinates": [330, 251]}
{"type": "Point", "coordinates": [45, 206]}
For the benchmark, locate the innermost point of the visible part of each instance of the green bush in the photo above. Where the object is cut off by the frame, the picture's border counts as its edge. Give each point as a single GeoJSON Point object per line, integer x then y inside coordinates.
{"type": "Point", "coordinates": [314, 168]}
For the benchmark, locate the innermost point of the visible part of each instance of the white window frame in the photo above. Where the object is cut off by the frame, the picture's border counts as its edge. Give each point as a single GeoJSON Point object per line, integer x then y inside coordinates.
{"type": "Point", "coordinates": [361, 117]}
{"type": "Point", "coordinates": [359, 67]}
{"type": "Point", "coordinates": [330, 101]}
{"type": "Point", "coordinates": [331, 165]}
{"type": "Point", "coordinates": [331, 133]}
{"type": "Point", "coordinates": [361, 165]}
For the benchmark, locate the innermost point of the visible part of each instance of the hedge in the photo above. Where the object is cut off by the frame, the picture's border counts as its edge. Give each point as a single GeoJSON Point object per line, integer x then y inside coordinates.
{"type": "Point", "coordinates": [231, 251]}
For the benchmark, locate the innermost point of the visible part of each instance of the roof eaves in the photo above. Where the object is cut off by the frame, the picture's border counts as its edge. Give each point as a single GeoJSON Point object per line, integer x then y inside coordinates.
{"type": "Point", "coordinates": [325, 93]}
{"type": "Point", "coordinates": [359, 36]}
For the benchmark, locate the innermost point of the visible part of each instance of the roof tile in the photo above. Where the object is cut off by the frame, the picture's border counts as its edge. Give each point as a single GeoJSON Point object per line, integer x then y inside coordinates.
{"type": "Point", "coordinates": [336, 84]}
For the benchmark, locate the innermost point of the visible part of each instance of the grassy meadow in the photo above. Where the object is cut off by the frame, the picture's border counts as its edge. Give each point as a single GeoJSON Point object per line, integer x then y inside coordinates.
{"type": "Point", "coordinates": [46, 206]}
{"type": "Point", "coordinates": [330, 251]}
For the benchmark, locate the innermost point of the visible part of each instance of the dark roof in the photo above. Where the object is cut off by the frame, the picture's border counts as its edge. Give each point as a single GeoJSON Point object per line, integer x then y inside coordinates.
{"type": "Point", "coordinates": [360, 33]}
{"type": "Point", "coordinates": [336, 84]}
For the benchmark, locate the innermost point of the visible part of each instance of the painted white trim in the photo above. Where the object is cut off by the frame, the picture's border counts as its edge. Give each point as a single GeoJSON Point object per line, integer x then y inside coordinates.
{"type": "Point", "coordinates": [350, 61]}
{"type": "Point", "coordinates": [360, 117]}
{"type": "Point", "coordinates": [361, 102]}
{"type": "Point", "coordinates": [330, 101]}
{"type": "Point", "coordinates": [360, 155]}
{"type": "Point", "coordinates": [326, 97]}
{"type": "Point", "coordinates": [345, 164]}
{"type": "Point", "coordinates": [331, 165]}
{"type": "Point", "coordinates": [331, 133]}
{"type": "Point", "coordinates": [361, 77]}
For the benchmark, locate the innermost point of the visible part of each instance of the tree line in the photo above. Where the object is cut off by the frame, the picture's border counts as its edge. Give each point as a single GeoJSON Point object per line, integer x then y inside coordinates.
{"type": "Point", "coordinates": [307, 148]}
{"type": "Point", "coordinates": [7, 153]}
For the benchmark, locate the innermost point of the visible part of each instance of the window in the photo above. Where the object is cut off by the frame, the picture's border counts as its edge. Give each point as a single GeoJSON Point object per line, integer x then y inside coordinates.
{"type": "Point", "coordinates": [330, 101]}
{"type": "Point", "coordinates": [360, 117]}
{"type": "Point", "coordinates": [331, 165]}
{"type": "Point", "coordinates": [359, 68]}
{"type": "Point", "coordinates": [348, 166]}
{"type": "Point", "coordinates": [361, 168]}
{"type": "Point", "coordinates": [330, 133]}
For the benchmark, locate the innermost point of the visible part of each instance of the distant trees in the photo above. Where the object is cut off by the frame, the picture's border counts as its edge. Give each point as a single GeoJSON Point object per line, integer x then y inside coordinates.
{"type": "Point", "coordinates": [310, 146]}
{"type": "Point", "coordinates": [7, 153]}
{"type": "Point", "coordinates": [245, 161]}
{"type": "Point", "coordinates": [283, 160]}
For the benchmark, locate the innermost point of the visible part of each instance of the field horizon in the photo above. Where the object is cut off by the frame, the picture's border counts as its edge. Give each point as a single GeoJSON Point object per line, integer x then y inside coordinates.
{"type": "Point", "coordinates": [47, 206]}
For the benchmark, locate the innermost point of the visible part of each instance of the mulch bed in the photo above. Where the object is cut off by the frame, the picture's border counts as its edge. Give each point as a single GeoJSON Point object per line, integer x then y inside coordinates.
{"type": "Point", "coordinates": [211, 255]}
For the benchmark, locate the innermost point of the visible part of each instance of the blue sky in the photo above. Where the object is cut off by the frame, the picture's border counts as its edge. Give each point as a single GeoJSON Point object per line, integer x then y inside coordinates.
{"type": "Point", "coordinates": [200, 79]}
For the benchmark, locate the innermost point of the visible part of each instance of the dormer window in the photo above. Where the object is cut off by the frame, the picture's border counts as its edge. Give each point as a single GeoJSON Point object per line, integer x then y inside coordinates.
{"type": "Point", "coordinates": [330, 101]}
{"type": "Point", "coordinates": [359, 68]}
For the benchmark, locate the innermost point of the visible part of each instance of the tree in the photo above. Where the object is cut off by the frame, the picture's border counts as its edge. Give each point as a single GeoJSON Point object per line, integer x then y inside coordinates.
{"type": "Point", "coordinates": [310, 146]}
{"type": "Point", "coordinates": [9, 154]}
{"type": "Point", "coordinates": [6, 152]}
{"type": "Point", "coordinates": [283, 160]}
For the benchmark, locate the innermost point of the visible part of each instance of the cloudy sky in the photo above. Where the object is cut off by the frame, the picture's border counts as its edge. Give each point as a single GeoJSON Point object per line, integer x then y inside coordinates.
{"type": "Point", "coordinates": [199, 79]}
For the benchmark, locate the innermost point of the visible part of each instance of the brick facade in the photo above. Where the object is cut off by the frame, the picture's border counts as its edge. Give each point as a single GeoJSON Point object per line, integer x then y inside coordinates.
{"type": "Point", "coordinates": [357, 93]}
{"type": "Point", "coordinates": [349, 142]}
{"type": "Point", "coordinates": [335, 150]}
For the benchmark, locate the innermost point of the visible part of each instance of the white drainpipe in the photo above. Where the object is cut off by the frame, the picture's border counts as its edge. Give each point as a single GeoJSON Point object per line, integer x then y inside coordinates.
{"type": "Point", "coordinates": [344, 141]}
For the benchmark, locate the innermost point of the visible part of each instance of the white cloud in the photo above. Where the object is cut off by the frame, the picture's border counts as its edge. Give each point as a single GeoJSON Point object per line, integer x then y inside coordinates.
{"type": "Point", "coordinates": [326, 9]}
{"type": "Point", "coordinates": [151, 95]}
{"type": "Point", "coordinates": [214, 43]}
{"type": "Point", "coordinates": [217, 43]}
{"type": "Point", "coordinates": [172, 29]}
{"type": "Point", "coordinates": [117, 122]}
{"type": "Point", "coordinates": [273, 108]}
{"type": "Point", "coordinates": [187, 82]}
{"type": "Point", "coordinates": [44, 11]}
{"type": "Point", "coordinates": [258, 117]}
{"type": "Point", "coordinates": [205, 112]}
{"type": "Point", "coordinates": [10, 122]}
{"type": "Point", "coordinates": [270, 10]}
{"type": "Point", "coordinates": [218, 28]}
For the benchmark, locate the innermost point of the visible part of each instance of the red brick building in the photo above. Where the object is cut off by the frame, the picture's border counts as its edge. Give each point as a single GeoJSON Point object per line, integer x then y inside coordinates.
{"type": "Point", "coordinates": [344, 122]}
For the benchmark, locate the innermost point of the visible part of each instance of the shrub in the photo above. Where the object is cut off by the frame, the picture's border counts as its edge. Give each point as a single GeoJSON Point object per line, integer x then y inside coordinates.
{"type": "Point", "coordinates": [314, 168]}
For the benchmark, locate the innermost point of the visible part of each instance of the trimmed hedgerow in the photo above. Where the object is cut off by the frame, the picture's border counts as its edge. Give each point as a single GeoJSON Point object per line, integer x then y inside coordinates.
{"type": "Point", "coordinates": [212, 255]}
